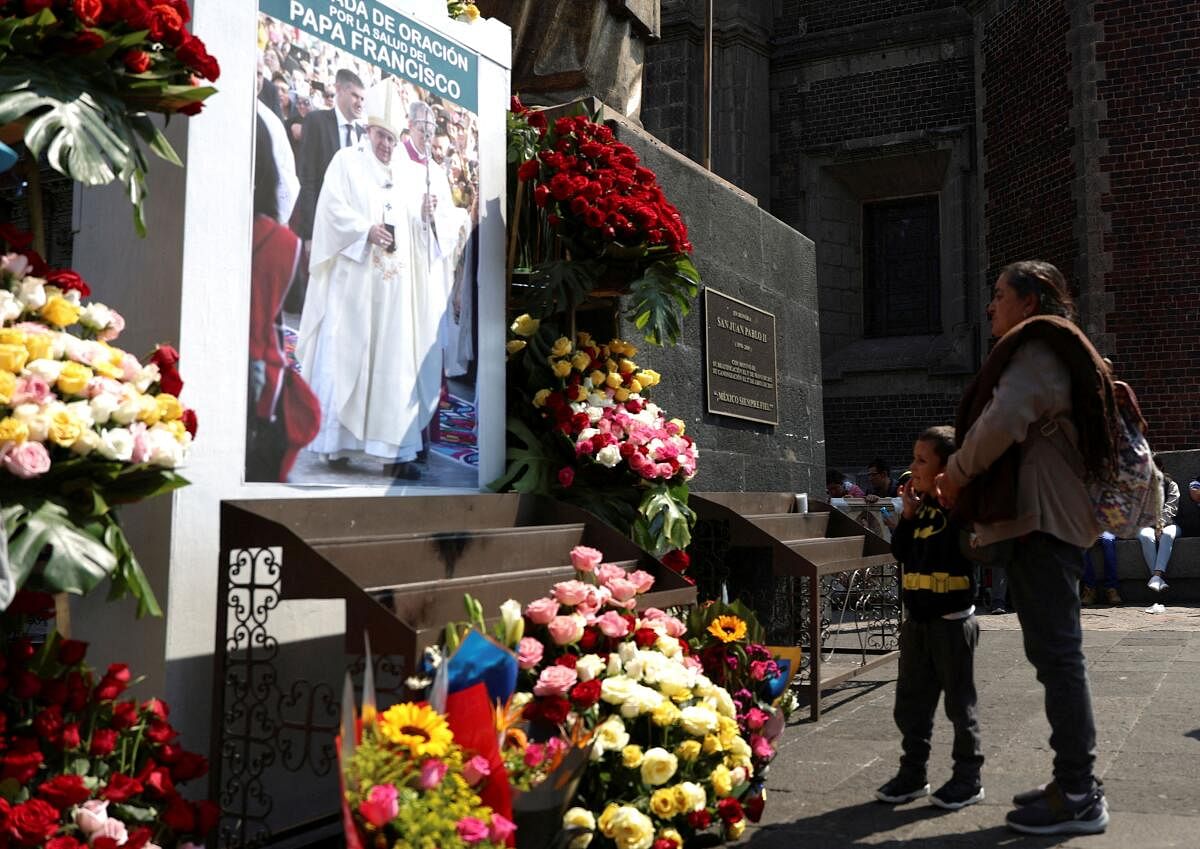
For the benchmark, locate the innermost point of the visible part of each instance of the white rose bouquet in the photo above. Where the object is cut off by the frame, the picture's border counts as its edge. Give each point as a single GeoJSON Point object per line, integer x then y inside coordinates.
{"type": "Point", "coordinates": [84, 426]}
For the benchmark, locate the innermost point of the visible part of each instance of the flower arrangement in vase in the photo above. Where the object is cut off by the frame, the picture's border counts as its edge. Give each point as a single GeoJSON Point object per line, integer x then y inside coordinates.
{"type": "Point", "coordinates": [80, 764]}
{"type": "Point", "coordinates": [84, 427]}
{"type": "Point", "coordinates": [78, 80]}
{"type": "Point", "coordinates": [594, 439]}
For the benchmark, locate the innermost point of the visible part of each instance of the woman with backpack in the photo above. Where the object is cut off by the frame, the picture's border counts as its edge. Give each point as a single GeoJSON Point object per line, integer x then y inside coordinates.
{"type": "Point", "coordinates": [1036, 420]}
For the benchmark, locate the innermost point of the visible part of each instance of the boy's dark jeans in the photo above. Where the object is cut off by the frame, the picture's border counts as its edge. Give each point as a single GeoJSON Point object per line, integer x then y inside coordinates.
{"type": "Point", "coordinates": [938, 657]}
{"type": "Point", "coordinates": [1043, 581]}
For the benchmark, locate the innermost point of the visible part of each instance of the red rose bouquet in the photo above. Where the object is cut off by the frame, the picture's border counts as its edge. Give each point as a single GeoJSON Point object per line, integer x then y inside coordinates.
{"type": "Point", "coordinates": [81, 76]}
{"type": "Point", "coordinates": [597, 215]}
{"type": "Point", "coordinates": [81, 764]}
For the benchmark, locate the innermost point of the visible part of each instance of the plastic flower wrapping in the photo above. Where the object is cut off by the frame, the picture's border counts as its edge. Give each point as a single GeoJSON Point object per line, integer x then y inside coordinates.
{"type": "Point", "coordinates": [80, 763]}
{"type": "Point", "coordinates": [408, 783]}
{"type": "Point", "coordinates": [84, 426]}
{"type": "Point", "coordinates": [668, 759]}
{"type": "Point", "coordinates": [606, 446]}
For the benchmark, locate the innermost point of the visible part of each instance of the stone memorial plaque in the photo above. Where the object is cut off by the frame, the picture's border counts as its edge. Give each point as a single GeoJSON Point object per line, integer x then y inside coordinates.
{"type": "Point", "coordinates": [740, 366]}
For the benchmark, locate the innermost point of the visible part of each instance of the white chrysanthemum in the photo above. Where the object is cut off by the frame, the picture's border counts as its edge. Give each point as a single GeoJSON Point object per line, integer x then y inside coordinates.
{"type": "Point", "coordinates": [31, 292]}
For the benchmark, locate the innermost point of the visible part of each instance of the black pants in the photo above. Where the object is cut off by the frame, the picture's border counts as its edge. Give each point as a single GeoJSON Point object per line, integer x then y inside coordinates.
{"type": "Point", "coordinates": [1043, 580]}
{"type": "Point", "coordinates": [938, 657]}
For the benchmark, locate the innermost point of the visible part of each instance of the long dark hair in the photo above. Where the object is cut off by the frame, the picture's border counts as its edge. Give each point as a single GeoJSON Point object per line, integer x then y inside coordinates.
{"type": "Point", "coordinates": [1046, 283]}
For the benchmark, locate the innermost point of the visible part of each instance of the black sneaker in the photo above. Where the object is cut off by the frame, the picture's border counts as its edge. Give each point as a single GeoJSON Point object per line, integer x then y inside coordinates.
{"type": "Point", "coordinates": [1030, 796]}
{"type": "Point", "coordinates": [1054, 813]}
{"type": "Point", "coordinates": [958, 793]}
{"type": "Point", "coordinates": [903, 788]}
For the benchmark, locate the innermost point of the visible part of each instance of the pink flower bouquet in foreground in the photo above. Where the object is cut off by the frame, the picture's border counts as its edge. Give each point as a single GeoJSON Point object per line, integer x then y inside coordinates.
{"type": "Point", "coordinates": [668, 760]}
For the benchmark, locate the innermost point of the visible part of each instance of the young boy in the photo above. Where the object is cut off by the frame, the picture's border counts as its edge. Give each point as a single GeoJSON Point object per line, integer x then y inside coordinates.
{"type": "Point", "coordinates": [938, 636]}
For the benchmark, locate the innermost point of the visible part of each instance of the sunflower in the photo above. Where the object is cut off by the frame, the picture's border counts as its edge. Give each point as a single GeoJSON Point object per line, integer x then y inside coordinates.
{"type": "Point", "coordinates": [418, 728]}
{"type": "Point", "coordinates": [728, 629]}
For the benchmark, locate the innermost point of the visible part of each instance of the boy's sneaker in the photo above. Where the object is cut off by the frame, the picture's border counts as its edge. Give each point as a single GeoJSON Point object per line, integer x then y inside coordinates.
{"type": "Point", "coordinates": [1087, 596]}
{"type": "Point", "coordinates": [1157, 584]}
{"type": "Point", "coordinates": [958, 793]}
{"type": "Point", "coordinates": [1112, 596]}
{"type": "Point", "coordinates": [903, 788]}
{"type": "Point", "coordinates": [1054, 813]}
{"type": "Point", "coordinates": [1028, 797]}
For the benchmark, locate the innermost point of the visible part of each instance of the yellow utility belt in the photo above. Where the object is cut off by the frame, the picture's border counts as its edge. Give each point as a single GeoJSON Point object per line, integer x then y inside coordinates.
{"type": "Point", "coordinates": [938, 582]}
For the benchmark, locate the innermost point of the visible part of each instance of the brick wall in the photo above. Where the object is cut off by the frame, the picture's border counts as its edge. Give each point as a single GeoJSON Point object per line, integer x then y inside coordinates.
{"type": "Point", "coordinates": [1150, 53]}
{"type": "Point", "coordinates": [821, 15]}
{"type": "Point", "coordinates": [672, 93]}
{"type": "Point", "coordinates": [895, 100]}
{"type": "Point", "coordinates": [1029, 211]}
{"type": "Point", "coordinates": [859, 429]}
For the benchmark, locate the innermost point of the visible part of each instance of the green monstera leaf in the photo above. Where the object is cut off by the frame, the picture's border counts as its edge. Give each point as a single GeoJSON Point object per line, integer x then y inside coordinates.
{"type": "Point", "coordinates": [84, 131]}
{"type": "Point", "coordinates": [53, 550]}
{"type": "Point", "coordinates": [664, 521]}
{"type": "Point", "coordinates": [662, 296]}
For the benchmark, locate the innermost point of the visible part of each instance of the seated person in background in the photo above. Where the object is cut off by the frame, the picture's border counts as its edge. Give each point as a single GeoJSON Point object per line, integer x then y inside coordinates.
{"type": "Point", "coordinates": [880, 482]}
{"type": "Point", "coordinates": [1108, 546]}
{"type": "Point", "coordinates": [838, 486]}
{"type": "Point", "coordinates": [1194, 490]}
{"type": "Point", "coordinates": [1158, 541]}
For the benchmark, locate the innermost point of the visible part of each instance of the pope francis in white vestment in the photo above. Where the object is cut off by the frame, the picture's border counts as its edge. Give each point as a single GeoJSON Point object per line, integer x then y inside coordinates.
{"type": "Point", "coordinates": [368, 341]}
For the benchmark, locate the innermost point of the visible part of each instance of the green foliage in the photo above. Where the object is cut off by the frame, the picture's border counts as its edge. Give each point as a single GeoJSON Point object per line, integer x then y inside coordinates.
{"type": "Point", "coordinates": [664, 522]}
{"type": "Point", "coordinates": [85, 117]}
{"type": "Point", "coordinates": [63, 535]}
{"type": "Point", "coordinates": [559, 286]}
{"type": "Point", "coordinates": [662, 296]}
{"type": "Point", "coordinates": [530, 466]}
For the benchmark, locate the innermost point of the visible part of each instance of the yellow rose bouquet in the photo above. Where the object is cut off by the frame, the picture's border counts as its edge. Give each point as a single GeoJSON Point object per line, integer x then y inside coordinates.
{"type": "Point", "coordinates": [594, 438]}
{"type": "Point", "coordinates": [84, 426]}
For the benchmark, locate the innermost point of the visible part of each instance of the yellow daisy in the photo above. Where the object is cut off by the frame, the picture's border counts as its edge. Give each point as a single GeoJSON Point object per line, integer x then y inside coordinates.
{"type": "Point", "coordinates": [418, 728]}
{"type": "Point", "coordinates": [728, 629]}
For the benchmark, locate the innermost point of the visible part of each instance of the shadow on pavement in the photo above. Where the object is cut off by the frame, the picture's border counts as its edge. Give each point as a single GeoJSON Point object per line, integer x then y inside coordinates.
{"type": "Point", "coordinates": [843, 694]}
{"type": "Point", "coordinates": [856, 824]}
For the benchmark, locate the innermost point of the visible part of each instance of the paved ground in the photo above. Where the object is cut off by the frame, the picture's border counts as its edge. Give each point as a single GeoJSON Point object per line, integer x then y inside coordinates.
{"type": "Point", "coordinates": [1145, 674]}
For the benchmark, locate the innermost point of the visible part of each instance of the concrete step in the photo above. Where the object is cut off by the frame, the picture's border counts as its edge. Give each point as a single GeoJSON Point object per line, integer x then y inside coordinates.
{"type": "Point", "coordinates": [792, 526]}
{"type": "Point", "coordinates": [388, 559]}
{"type": "Point", "coordinates": [754, 503]}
